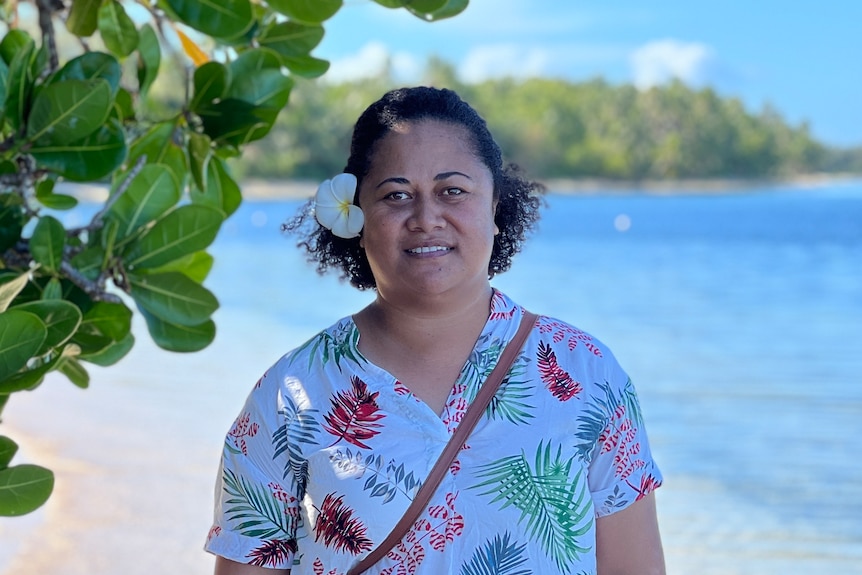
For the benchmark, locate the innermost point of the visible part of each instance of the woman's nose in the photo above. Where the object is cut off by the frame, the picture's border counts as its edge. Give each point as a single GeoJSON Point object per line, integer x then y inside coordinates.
{"type": "Point", "coordinates": [427, 215]}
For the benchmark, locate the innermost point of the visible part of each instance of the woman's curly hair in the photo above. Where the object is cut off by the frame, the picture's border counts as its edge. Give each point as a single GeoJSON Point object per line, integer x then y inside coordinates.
{"type": "Point", "coordinates": [518, 199]}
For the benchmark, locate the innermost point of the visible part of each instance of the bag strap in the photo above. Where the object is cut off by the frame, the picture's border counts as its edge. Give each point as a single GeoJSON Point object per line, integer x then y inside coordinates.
{"type": "Point", "coordinates": [465, 427]}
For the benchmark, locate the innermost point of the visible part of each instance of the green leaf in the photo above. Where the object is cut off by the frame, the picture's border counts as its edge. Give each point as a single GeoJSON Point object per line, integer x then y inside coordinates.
{"type": "Point", "coordinates": [11, 226]}
{"type": "Point", "coordinates": [117, 29]}
{"type": "Point", "coordinates": [47, 243]}
{"type": "Point", "coordinates": [61, 318]}
{"type": "Point", "coordinates": [29, 379]}
{"type": "Point", "coordinates": [200, 151]}
{"type": "Point", "coordinates": [8, 448]}
{"type": "Point", "coordinates": [21, 336]}
{"type": "Point", "coordinates": [450, 9]}
{"type": "Point", "coordinates": [391, 3]}
{"type": "Point", "coordinates": [20, 84]}
{"type": "Point", "coordinates": [224, 19]}
{"type": "Point", "coordinates": [4, 84]}
{"type": "Point", "coordinates": [424, 6]}
{"type": "Point", "coordinates": [251, 62]}
{"type": "Point", "coordinates": [13, 41]}
{"type": "Point", "coordinates": [173, 337]}
{"type": "Point", "coordinates": [211, 83]}
{"type": "Point", "coordinates": [196, 266]}
{"type": "Point", "coordinates": [102, 325]}
{"type": "Point", "coordinates": [112, 353]}
{"type": "Point", "coordinates": [308, 11]}
{"type": "Point", "coordinates": [124, 106]}
{"type": "Point", "coordinates": [265, 88]}
{"type": "Point", "coordinates": [9, 290]}
{"type": "Point", "coordinates": [222, 192]}
{"type": "Point", "coordinates": [24, 488]}
{"type": "Point", "coordinates": [235, 122]}
{"type": "Point", "coordinates": [173, 297]}
{"type": "Point", "coordinates": [306, 66]}
{"type": "Point", "coordinates": [89, 261]}
{"type": "Point", "coordinates": [76, 373]}
{"type": "Point", "coordinates": [86, 160]}
{"type": "Point", "coordinates": [183, 231]}
{"type": "Point", "coordinates": [83, 17]}
{"type": "Point", "coordinates": [68, 111]}
{"type": "Point", "coordinates": [150, 194]}
{"type": "Point", "coordinates": [150, 57]}
{"type": "Point", "coordinates": [52, 290]}
{"type": "Point", "coordinates": [92, 66]}
{"type": "Point", "coordinates": [291, 39]}
{"type": "Point", "coordinates": [58, 201]}
{"type": "Point", "coordinates": [162, 145]}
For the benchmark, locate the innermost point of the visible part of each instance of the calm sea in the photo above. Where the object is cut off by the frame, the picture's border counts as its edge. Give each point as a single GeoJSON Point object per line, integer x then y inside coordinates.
{"type": "Point", "coordinates": [738, 316]}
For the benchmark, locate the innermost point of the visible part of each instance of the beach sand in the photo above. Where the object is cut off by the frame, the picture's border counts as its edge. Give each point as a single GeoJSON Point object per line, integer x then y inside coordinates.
{"type": "Point", "coordinates": [135, 458]}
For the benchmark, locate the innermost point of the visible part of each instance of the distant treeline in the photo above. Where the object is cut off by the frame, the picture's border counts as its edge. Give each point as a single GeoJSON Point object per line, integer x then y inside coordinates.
{"type": "Point", "coordinates": [558, 129]}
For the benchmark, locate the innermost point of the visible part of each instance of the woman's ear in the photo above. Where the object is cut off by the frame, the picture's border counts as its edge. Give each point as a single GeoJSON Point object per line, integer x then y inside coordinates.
{"type": "Point", "coordinates": [494, 212]}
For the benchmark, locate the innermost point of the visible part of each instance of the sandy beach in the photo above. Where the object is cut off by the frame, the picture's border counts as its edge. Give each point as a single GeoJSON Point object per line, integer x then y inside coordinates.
{"type": "Point", "coordinates": [135, 458]}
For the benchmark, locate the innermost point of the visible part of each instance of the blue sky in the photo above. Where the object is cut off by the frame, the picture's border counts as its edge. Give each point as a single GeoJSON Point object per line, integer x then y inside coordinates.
{"type": "Point", "coordinates": [801, 56]}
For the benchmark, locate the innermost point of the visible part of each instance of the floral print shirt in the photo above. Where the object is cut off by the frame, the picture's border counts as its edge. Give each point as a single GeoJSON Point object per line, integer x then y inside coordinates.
{"type": "Point", "coordinates": [330, 449]}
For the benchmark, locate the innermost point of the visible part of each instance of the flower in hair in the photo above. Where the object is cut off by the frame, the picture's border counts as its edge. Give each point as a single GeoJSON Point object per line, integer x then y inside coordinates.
{"type": "Point", "coordinates": [334, 207]}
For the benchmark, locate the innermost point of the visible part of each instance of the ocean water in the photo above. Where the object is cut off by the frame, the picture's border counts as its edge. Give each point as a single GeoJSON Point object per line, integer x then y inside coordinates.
{"type": "Point", "coordinates": [738, 316]}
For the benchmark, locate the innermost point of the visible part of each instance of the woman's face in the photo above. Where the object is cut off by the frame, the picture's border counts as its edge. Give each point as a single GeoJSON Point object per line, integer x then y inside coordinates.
{"type": "Point", "coordinates": [429, 213]}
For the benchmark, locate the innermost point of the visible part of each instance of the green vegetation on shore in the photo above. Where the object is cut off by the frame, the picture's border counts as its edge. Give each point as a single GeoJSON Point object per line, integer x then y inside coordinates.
{"type": "Point", "coordinates": [559, 129]}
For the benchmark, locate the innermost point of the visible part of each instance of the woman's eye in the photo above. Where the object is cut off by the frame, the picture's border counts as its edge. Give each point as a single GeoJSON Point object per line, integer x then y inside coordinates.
{"type": "Point", "coordinates": [397, 196]}
{"type": "Point", "coordinates": [453, 192]}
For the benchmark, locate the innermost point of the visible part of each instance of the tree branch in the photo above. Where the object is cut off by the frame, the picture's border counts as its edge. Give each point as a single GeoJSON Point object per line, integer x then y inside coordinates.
{"type": "Point", "coordinates": [46, 25]}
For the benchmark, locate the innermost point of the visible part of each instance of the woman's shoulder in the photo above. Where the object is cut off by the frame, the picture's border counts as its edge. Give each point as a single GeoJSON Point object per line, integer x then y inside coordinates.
{"type": "Point", "coordinates": [332, 346]}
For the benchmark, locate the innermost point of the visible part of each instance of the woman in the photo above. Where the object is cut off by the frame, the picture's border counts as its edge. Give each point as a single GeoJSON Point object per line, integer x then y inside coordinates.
{"type": "Point", "coordinates": [337, 436]}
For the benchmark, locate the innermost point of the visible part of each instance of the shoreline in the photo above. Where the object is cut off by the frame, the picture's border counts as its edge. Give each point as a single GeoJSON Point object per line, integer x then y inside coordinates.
{"type": "Point", "coordinates": [292, 189]}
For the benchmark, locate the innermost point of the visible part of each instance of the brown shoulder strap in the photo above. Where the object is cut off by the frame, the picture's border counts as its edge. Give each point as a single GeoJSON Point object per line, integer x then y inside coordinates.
{"type": "Point", "coordinates": [465, 427]}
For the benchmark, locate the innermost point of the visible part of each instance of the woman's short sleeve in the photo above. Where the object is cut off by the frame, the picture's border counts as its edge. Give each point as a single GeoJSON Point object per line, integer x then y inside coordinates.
{"type": "Point", "coordinates": [256, 498]}
{"type": "Point", "coordinates": [621, 468]}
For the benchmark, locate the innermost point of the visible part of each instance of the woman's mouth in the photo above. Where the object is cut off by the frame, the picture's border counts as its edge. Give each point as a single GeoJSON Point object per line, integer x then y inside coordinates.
{"type": "Point", "coordinates": [428, 250]}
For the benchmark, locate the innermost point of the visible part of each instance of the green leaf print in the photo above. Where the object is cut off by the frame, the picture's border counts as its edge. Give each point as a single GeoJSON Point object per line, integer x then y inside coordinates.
{"type": "Point", "coordinates": [557, 509]}
{"type": "Point", "coordinates": [300, 427]}
{"type": "Point", "coordinates": [381, 479]}
{"type": "Point", "coordinates": [599, 412]}
{"type": "Point", "coordinates": [342, 343]}
{"type": "Point", "coordinates": [264, 515]}
{"type": "Point", "coordinates": [507, 403]}
{"type": "Point", "coordinates": [497, 557]}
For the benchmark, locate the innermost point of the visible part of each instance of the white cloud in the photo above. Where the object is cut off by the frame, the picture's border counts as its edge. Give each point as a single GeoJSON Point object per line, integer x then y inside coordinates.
{"type": "Point", "coordinates": [372, 60]}
{"type": "Point", "coordinates": [493, 61]}
{"type": "Point", "coordinates": [663, 60]}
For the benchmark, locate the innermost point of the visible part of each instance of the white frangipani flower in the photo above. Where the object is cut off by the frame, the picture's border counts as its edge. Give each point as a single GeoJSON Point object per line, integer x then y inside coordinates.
{"type": "Point", "coordinates": [334, 208]}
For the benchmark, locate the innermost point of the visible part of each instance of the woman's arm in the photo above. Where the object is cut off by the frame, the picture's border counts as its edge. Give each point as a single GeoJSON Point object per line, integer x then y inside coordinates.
{"type": "Point", "coordinates": [628, 541]}
{"type": "Point", "coordinates": [227, 567]}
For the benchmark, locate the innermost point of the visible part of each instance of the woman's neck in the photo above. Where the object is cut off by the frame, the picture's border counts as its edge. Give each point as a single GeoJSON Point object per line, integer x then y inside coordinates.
{"type": "Point", "coordinates": [425, 326]}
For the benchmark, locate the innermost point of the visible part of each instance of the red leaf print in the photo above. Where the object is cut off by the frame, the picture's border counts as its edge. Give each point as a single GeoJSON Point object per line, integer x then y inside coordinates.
{"type": "Point", "coordinates": [339, 529]}
{"type": "Point", "coordinates": [619, 437]}
{"type": "Point", "coordinates": [648, 484]}
{"type": "Point", "coordinates": [353, 414]}
{"type": "Point", "coordinates": [242, 428]}
{"type": "Point", "coordinates": [497, 302]}
{"type": "Point", "coordinates": [273, 552]}
{"type": "Point", "coordinates": [556, 379]}
{"type": "Point", "coordinates": [407, 559]}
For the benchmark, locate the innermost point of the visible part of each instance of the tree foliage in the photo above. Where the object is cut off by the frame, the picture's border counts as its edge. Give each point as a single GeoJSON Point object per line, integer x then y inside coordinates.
{"type": "Point", "coordinates": [82, 113]}
{"type": "Point", "coordinates": [560, 129]}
